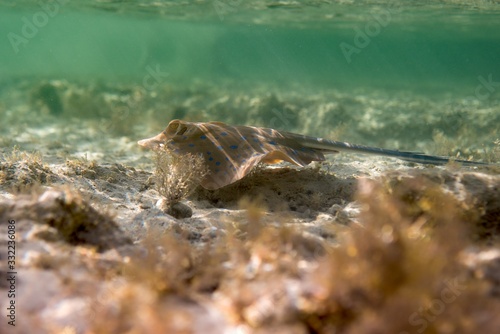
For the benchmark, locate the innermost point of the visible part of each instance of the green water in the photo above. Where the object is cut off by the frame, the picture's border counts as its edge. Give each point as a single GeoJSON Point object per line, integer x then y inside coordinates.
{"type": "Point", "coordinates": [380, 73]}
{"type": "Point", "coordinates": [419, 47]}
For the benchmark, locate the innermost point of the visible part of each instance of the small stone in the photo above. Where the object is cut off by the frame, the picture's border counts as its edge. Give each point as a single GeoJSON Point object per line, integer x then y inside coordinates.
{"type": "Point", "coordinates": [177, 210]}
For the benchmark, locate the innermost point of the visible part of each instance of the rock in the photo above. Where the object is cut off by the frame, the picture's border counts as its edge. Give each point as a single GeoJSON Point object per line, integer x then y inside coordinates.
{"type": "Point", "coordinates": [180, 211]}
{"type": "Point", "coordinates": [75, 221]}
{"type": "Point", "coordinates": [177, 210]}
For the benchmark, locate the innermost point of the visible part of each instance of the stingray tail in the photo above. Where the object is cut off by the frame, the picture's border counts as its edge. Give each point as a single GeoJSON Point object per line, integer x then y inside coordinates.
{"type": "Point", "coordinates": [332, 146]}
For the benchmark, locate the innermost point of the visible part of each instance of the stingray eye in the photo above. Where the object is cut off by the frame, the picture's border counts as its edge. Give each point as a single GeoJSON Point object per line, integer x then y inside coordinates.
{"type": "Point", "coordinates": [181, 130]}
{"type": "Point", "coordinates": [171, 128]}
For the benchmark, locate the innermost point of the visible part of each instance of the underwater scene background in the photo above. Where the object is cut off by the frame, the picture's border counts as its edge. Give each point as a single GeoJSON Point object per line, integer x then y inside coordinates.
{"type": "Point", "coordinates": [405, 72]}
{"type": "Point", "coordinates": [354, 244]}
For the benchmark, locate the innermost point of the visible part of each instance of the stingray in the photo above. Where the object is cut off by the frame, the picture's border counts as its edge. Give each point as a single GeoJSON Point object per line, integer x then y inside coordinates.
{"type": "Point", "coordinates": [230, 152]}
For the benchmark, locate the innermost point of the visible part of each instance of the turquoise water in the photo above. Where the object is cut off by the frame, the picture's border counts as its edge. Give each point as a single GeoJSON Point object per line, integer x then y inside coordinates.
{"type": "Point", "coordinates": [386, 73]}
{"type": "Point", "coordinates": [411, 47]}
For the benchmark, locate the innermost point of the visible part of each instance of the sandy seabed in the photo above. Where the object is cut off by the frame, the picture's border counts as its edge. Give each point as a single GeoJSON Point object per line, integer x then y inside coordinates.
{"type": "Point", "coordinates": [355, 244]}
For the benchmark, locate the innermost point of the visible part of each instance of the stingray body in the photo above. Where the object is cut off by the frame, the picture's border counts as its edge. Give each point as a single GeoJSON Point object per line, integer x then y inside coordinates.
{"type": "Point", "coordinates": [230, 152]}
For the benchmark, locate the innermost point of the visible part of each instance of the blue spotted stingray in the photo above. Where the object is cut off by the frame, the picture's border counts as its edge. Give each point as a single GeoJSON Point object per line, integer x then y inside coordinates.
{"type": "Point", "coordinates": [230, 152]}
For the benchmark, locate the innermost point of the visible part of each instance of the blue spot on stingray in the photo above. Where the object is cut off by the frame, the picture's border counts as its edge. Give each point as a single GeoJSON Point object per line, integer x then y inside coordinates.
{"type": "Point", "coordinates": [217, 163]}
{"type": "Point", "coordinates": [256, 140]}
{"type": "Point", "coordinates": [294, 152]}
{"type": "Point", "coordinates": [219, 147]}
{"type": "Point", "coordinates": [203, 137]}
{"type": "Point", "coordinates": [209, 153]}
{"type": "Point", "coordinates": [243, 137]}
{"type": "Point", "coordinates": [234, 147]}
{"type": "Point", "coordinates": [184, 137]}
{"type": "Point", "coordinates": [227, 159]}
{"type": "Point", "coordinates": [272, 142]}
{"type": "Point", "coordinates": [244, 160]}
{"type": "Point", "coordinates": [223, 134]}
{"type": "Point", "coordinates": [210, 159]}
{"type": "Point", "coordinates": [261, 145]}
{"type": "Point", "coordinates": [191, 145]}
{"type": "Point", "coordinates": [177, 150]}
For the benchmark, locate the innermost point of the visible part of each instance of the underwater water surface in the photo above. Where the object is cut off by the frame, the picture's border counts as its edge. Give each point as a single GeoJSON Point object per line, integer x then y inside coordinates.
{"type": "Point", "coordinates": [386, 45]}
